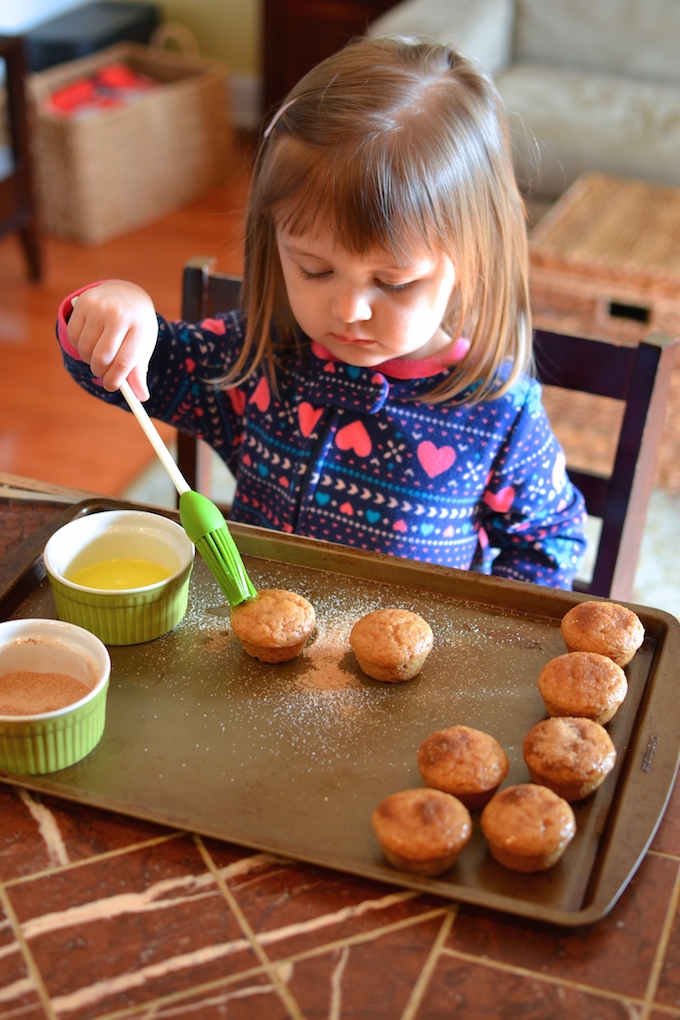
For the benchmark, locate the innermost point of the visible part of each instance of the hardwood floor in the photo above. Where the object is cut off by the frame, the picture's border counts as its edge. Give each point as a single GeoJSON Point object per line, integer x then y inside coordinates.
{"type": "Point", "coordinates": [49, 428]}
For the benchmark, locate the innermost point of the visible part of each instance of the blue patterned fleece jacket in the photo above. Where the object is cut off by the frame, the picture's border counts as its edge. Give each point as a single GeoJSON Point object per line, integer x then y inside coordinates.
{"type": "Point", "coordinates": [358, 456]}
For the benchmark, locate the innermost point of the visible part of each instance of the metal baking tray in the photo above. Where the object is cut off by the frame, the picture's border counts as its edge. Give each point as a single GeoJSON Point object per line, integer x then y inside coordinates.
{"type": "Point", "coordinates": [292, 759]}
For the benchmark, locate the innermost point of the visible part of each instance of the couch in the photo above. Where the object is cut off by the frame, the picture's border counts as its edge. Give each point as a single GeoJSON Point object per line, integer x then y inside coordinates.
{"type": "Point", "coordinates": [590, 85]}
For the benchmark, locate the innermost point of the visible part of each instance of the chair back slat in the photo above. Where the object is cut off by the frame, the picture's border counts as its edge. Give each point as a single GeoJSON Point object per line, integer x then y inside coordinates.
{"type": "Point", "coordinates": [595, 489]}
{"type": "Point", "coordinates": [639, 376]}
{"type": "Point", "coordinates": [204, 293]}
{"type": "Point", "coordinates": [581, 363]}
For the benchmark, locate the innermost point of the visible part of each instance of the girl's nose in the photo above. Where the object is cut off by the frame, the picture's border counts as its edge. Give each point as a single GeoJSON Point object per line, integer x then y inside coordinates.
{"type": "Point", "coordinates": [351, 305]}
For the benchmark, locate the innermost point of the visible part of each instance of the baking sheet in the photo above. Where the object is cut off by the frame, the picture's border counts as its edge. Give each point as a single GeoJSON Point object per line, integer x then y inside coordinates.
{"type": "Point", "coordinates": [293, 758]}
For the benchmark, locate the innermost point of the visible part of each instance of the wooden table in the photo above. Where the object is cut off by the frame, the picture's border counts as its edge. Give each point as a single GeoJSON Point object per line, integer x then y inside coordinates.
{"type": "Point", "coordinates": [605, 261]}
{"type": "Point", "coordinates": [107, 916]}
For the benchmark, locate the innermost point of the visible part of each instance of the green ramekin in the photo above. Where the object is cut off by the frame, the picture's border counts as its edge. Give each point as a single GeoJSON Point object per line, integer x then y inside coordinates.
{"type": "Point", "coordinates": [49, 741]}
{"type": "Point", "coordinates": [133, 615]}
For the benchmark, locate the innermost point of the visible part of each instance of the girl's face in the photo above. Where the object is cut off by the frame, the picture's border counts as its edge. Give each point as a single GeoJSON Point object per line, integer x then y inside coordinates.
{"type": "Point", "coordinates": [366, 310]}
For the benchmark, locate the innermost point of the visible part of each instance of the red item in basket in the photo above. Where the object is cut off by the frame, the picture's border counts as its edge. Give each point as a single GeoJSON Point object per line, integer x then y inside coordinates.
{"type": "Point", "coordinates": [113, 85]}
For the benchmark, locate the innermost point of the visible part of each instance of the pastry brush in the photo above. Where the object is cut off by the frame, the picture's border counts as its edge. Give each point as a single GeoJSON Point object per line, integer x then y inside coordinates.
{"type": "Point", "coordinates": [203, 522]}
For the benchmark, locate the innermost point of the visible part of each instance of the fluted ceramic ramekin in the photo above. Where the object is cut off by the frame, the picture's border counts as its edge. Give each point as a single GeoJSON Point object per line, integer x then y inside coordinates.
{"type": "Point", "coordinates": [125, 616]}
{"type": "Point", "coordinates": [47, 741]}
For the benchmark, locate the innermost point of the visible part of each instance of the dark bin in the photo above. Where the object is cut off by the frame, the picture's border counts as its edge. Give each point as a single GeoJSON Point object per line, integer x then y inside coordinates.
{"type": "Point", "coordinates": [87, 29]}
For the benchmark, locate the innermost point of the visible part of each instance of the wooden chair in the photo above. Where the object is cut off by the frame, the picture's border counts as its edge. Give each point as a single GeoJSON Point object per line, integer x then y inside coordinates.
{"type": "Point", "coordinates": [638, 376]}
{"type": "Point", "coordinates": [204, 293]}
{"type": "Point", "coordinates": [17, 197]}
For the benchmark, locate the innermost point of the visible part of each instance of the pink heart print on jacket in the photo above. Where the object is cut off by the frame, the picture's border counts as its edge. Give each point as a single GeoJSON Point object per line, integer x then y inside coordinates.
{"type": "Point", "coordinates": [435, 460]}
{"type": "Point", "coordinates": [354, 437]}
{"type": "Point", "coordinates": [500, 501]}
{"type": "Point", "coordinates": [308, 416]}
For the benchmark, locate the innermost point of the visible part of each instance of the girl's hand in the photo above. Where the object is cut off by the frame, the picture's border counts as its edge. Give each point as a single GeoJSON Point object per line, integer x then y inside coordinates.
{"type": "Point", "coordinates": [113, 327]}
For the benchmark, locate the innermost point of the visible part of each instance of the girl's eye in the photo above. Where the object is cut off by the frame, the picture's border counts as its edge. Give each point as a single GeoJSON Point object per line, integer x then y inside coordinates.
{"type": "Point", "coordinates": [395, 287]}
{"type": "Point", "coordinates": [306, 275]}
{"type": "Point", "coordinates": [392, 288]}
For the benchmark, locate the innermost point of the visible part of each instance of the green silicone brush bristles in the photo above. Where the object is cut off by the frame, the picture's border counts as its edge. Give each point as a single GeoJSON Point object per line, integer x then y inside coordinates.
{"type": "Point", "coordinates": [225, 563]}
{"type": "Point", "coordinates": [205, 525]}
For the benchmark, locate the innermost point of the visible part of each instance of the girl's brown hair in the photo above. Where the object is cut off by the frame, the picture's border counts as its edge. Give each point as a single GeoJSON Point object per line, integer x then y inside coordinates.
{"type": "Point", "coordinates": [397, 145]}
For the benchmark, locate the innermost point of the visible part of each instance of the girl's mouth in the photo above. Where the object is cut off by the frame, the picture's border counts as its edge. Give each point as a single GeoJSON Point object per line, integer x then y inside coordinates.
{"type": "Point", "coordinates": [355, 341]}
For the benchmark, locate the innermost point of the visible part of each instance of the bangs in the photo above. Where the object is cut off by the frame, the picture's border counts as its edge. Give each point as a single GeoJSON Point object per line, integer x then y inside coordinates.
{"type": "Point", "coordinates": [401, 148]}
{"type": "Point", "coordinates": [361, 193]}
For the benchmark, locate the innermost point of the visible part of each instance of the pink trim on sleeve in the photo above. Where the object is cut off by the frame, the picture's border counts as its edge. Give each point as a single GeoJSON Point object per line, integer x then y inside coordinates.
{"type": "Point", "coordinates": [63, 315]}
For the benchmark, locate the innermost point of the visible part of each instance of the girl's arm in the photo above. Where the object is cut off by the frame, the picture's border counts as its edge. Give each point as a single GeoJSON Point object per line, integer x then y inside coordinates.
{"type": "Point", "coordinates": [184, 361]}
{"type": "Point", "coordinates": [113, 328]}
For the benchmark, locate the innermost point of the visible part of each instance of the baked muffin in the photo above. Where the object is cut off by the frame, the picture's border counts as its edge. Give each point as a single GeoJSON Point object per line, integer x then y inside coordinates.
{"type": "Point", "coordinates": [583, 684]}
{"type": "Point", "coordinates": [422, 830]}
{"type": "Point", "coordinates": [528, 827]}
{"type": "Point", "coordinates": [572, 757]}
{"type": "Point", "coordinates": [275, 625]}
{"type": "Point", "coordinates": [468, 763]}
{"type": "Point", "coordinates": [391, 644]}
{"type": "Point", "coordinates": [603, 627]}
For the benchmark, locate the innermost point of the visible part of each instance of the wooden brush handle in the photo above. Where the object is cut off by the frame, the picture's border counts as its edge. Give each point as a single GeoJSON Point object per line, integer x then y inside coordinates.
{"type": "Point", "coordinates": [152, 434]}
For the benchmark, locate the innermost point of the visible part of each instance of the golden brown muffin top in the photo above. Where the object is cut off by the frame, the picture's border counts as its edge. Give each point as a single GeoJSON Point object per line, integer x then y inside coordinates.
{"type": "Point", "coordinates": [604, 627]}
{"type": "Point", "coordinates": [274, 618]}
{"type": "Point", "coordinates": [582, 681]}
{"type": "Point", "coordinates": [422, 823]}
{"type": "Point", "coordinates": [528, 820]}
{"type": "Point", "coordinates": [463, 758]}
{"type": "Point", "coordinates": [565, 745]}
{"type": "Point", "coordinates": [390, 636]}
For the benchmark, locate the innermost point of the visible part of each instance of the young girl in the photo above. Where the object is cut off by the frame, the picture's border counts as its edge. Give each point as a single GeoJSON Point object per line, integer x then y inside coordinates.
{"type": "Point", "coordinates": [374, 391]}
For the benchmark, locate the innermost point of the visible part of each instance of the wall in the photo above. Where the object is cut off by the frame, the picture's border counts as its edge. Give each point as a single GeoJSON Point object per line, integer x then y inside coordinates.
{"type": "Point", "coordinates": [227, 30]}
{"type": "Point", "coordinates": [18, 15]}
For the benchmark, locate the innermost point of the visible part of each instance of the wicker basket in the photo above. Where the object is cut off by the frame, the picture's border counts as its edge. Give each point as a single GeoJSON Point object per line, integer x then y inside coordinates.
{"type": "Point", "coordinates": [610, 242]}
{"type": "Point", "coordinates": [105, 174]}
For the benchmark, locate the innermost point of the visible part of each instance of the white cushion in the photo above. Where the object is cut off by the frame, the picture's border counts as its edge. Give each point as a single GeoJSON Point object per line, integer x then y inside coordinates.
{"type": "Point", "coordinates": [632, 37]}
{"type": "Point", "coordinates": [590, 122]}
{"type": "Point", "coordinates": [479, 29]}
